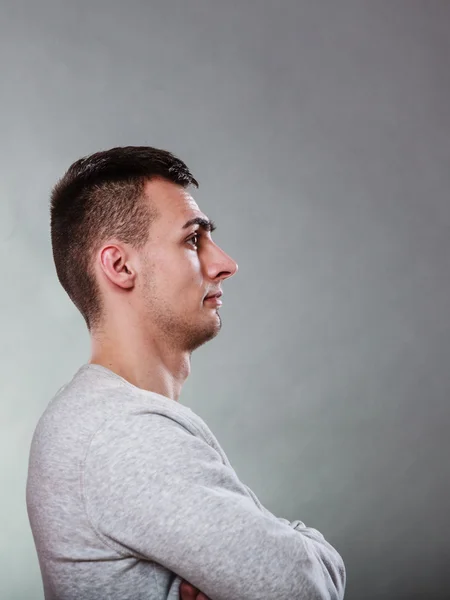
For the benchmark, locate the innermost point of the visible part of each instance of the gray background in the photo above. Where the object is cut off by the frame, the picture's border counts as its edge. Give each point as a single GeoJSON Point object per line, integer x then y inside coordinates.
{"type": "Point", "coordinates": [319, 131]}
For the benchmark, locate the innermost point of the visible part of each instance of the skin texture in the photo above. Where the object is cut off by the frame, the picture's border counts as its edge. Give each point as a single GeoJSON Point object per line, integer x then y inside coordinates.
{"type": "Point", "coordinates": [155, 314]}
{"type": "Point", "coordinates": [189, 592]}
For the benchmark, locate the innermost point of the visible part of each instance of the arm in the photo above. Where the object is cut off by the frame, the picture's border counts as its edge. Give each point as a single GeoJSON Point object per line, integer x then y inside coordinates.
{"type": "Point", "coordinates": [153, 487]}
{"type": "Point", "coordinates": [338, 575]}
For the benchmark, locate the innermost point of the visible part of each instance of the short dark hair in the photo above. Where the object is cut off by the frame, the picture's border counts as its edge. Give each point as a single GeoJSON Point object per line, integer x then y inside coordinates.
{"type": "Point", "coordinates": [100, 197]}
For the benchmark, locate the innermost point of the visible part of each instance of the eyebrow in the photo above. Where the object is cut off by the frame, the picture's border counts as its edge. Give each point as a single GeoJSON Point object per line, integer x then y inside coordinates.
{"type": "Point", "coordinates": [205, 224]}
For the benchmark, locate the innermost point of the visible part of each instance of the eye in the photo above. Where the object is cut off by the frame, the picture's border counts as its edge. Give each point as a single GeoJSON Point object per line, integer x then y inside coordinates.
{"type": "Point", "coordinates": [193, 239]}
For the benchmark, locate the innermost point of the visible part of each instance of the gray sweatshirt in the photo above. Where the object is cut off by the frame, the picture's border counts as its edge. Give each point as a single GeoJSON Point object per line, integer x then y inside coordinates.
{"type": "Point", "coordinates": [129, 493]}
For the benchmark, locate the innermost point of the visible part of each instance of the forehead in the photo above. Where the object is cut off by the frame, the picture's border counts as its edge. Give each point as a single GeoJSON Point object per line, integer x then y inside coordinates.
{"type": "Point", "coordinates": [173, 203]}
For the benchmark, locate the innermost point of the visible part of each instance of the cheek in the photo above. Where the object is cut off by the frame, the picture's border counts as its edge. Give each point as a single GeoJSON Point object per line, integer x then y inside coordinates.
{"type": "Point", "coordinates": [178, 272]}
{"type": "Point", "coordinates": [190, 262]}
{"type": "Point", "coordinates": [184, 276]}
{"type": "Point", "coordinates": [191, 276]}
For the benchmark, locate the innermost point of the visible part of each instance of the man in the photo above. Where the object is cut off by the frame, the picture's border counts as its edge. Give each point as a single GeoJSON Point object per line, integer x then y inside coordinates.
{"type": "Point", "coordinates": [129, 494]}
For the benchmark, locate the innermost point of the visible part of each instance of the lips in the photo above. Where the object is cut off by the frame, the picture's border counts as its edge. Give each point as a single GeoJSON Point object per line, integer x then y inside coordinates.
{"type": "Point", "coordinates": [216, 295]}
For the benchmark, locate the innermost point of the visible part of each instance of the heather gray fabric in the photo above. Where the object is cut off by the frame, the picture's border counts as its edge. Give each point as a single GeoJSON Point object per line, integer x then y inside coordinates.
{"type": "Point", "coordinates": [129, 493]}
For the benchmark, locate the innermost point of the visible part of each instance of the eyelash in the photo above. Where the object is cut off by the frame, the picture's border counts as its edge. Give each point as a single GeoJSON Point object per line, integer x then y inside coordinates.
{"type": "Point", "coordinates": [196, 235]}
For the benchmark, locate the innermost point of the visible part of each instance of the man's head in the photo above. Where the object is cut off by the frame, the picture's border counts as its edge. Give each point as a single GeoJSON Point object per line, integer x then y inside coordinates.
{"type": "Point", "coordinates": [123, 250]}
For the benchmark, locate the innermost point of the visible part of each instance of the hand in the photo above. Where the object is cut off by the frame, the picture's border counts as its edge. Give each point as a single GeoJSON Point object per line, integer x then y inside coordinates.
{"type": "Point", "coordinates": [189, 592]}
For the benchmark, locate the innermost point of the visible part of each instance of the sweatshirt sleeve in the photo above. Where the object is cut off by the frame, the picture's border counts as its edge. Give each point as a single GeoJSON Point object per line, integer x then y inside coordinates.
{"type": "Point", "coordinates": [338, 575]}
{"type": "Point", "coordinates": [154, 490]}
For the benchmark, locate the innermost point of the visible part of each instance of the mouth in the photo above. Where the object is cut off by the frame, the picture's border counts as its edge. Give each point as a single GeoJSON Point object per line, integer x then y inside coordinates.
{"type": "Point", "coordinates": [214, 300]}
{"type": "Point", "coordinates": [217, 295]}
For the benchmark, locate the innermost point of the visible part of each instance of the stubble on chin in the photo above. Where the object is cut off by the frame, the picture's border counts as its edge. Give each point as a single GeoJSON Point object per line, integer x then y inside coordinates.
{"type": "Point", "coordinates": [186, 334]}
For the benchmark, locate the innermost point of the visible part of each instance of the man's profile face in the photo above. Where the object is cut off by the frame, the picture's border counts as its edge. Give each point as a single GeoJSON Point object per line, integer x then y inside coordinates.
{"type": "Point", "coordinates": [181, 265]}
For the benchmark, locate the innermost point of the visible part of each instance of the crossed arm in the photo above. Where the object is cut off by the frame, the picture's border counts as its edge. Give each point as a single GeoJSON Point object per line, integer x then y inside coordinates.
{"type": "Point", "coordinates": [188, 511]}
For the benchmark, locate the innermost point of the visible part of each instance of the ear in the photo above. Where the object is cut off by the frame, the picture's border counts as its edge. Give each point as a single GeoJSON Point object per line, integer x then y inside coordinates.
{"type": "Point", "coordinates": [116, 266]}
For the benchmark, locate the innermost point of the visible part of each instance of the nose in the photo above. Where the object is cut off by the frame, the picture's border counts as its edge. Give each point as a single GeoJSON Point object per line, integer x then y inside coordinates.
{"type": "Point", "coordinates": [222, 266]}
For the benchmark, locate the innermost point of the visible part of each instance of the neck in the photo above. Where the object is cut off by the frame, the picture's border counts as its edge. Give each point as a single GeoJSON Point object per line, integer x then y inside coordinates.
{"type": "Point", "coordinates": [149, 365]}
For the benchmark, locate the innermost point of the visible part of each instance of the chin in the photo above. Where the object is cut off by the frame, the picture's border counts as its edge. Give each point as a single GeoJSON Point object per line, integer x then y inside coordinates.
{"type": "Point", "coordinates": [205, 334]}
